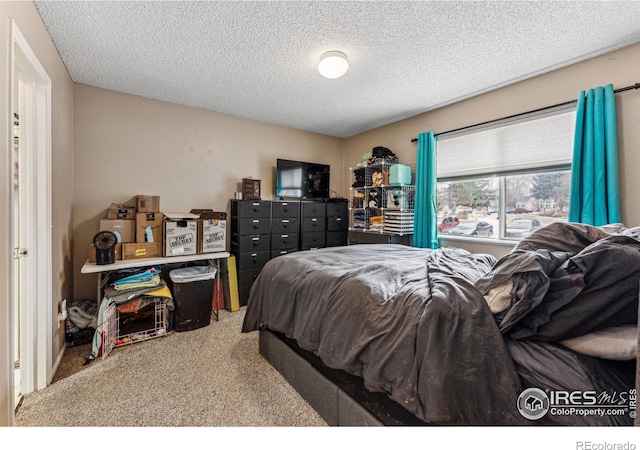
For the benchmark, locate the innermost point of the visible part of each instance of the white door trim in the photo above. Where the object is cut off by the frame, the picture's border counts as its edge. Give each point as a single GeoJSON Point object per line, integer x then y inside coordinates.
{"type": "Point", "coordinates": [36, 309]}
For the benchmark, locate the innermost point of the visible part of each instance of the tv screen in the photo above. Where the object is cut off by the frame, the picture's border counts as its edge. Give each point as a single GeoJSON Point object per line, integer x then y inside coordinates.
{"type": "Point", "coordinates": [302, 180]}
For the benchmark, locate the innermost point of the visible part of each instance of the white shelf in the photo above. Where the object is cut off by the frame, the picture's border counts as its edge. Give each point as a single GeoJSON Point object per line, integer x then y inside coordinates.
{"type": "Point", "coordinates": [89, 267]}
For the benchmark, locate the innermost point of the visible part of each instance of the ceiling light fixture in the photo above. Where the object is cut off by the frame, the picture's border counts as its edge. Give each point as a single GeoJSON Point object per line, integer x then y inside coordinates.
{"type": "Point", "coordinates": [333, 65]}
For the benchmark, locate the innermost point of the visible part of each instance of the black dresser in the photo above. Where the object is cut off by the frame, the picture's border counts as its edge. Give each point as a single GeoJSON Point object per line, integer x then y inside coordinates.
{"type": "Point", "coordinates": [285, 227]}
{"type": "Point", "coordinates": [337, 223]}
{"type": "Point", "coordinates": [313, 228]}
{"type": "Point", "coordinates": [263, 229]}
{"type": "Point", "coordinates": [374, 237]}
{"type": "Point", "coordinates": [250, 241]}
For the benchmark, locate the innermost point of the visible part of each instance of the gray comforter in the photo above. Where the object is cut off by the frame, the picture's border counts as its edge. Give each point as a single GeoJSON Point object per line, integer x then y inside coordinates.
{"type": "Point", "coordinates": [409, 321]}
{"type": "Point", "coordinates": [569, 280]}
{"type": "Point", "coordinates": [415, 323]}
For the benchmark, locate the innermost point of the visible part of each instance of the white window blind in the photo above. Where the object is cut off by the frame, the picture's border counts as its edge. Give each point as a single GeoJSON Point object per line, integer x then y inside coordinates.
{"type": "Point", "coordinates": [537, 142]}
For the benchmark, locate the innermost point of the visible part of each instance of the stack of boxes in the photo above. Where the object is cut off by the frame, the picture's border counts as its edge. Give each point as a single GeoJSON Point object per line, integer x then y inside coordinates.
{"type": "Point", "coordinates": [148, 226]}
{"type": "Point", "coordinates": [144, 232]}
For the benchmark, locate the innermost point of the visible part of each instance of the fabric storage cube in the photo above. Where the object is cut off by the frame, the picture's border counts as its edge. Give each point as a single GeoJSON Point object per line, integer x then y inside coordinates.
{"type": "Point", "coordinates": [192, 290]}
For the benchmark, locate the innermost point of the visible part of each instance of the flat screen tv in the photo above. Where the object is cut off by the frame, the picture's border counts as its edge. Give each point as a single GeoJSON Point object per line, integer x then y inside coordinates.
{"type": "Point", "coordinates": [302, 180]}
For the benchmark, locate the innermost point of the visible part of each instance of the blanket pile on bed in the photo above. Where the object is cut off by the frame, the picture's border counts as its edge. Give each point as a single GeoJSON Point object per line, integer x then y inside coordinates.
{"type": "Point", "coordinates": [420, 324]}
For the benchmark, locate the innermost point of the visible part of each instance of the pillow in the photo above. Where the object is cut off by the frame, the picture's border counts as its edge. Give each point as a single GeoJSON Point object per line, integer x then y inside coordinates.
{"type": "Point", "coordinates": [499, 297]}
{"type": "Point", "coordinates": [618, 343]}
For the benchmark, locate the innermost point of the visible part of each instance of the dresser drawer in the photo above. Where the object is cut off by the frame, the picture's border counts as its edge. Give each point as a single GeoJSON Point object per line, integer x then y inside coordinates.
{"type": "Point", "coordinates": [313, 224]}
{"type": "Point", "coordinates": [247, 277]}
{"type": "Point", "coordinates": [337, 209]}
{"type": "Point", "coordinates": [241, 227]}
{"type": "Point", "coordinates": [255, 260]}
{"type": "Point", "coordinates": [275, 252]}
{"type": "Point", "coordinates": [281, 225]}
{"type": "Point", "coordinates": [336, 238]}
{"type": "Point", "coordinates": [313, 209]}
{"type": "Point", "coordinates": [284, 241]}
{"type": "Point", "coordinates": [252, 243]}
{"type": "Point", "coordinates": [337, 224]}
{"type": "Point", "coordinates": [251, 208]}
{"type": "Point", "coordinates": [285, 209]}
{"type": "Point", "coordinates": [313, 239]}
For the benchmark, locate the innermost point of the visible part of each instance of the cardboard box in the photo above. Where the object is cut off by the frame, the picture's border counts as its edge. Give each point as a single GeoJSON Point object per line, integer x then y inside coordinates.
{"type": "Point", "coordinates": [126, 228]}
{"type": "Point", "coordinates": [139, 250]}
{"type": "Point", "coordinates": [92, 253]}
{"type": "Point", "coordinates": [122, 212]}
{"type": "Point", "coordinates": [180, 234]}
{"type": "Point", "coordinates": [147, 203]}
{"type": "Point", "coordinates": [153, 220]}
{"type": "Point", "coordinates": [212, 230]}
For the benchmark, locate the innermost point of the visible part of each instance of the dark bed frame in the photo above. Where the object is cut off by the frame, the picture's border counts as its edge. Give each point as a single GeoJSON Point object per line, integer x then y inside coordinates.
{"type": "Point", "coordinates": [340, 398]}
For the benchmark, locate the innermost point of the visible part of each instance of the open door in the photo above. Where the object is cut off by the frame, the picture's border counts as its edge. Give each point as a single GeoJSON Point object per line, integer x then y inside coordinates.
{"type": "Point", "coordinates": [31, 214]}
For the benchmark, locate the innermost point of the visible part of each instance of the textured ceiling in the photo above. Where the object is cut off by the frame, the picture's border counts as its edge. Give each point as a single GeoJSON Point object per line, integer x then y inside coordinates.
{"type": "Point", "coordinates": [258, 59]}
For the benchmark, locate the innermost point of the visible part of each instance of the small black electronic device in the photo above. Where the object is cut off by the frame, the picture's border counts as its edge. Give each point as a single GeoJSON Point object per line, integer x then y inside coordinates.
{"type": "Point", "coordinates": [105, 244]}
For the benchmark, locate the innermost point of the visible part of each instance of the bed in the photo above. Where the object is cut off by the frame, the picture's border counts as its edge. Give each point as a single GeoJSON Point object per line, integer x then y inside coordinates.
{"type": "Point", "coordinates": [407, 336]}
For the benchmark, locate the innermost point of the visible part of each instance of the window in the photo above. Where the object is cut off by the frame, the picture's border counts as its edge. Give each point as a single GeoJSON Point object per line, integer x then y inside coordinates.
{"type": "Point", "coordinates": [505, 181]}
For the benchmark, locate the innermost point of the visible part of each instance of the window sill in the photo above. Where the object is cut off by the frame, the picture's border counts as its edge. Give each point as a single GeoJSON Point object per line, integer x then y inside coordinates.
{"type": "Point", "coordinates": [475, 240]}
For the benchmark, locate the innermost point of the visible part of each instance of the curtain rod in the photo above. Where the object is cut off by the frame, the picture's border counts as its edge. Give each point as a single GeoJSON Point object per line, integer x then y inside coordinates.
{"type": "Point", "coordinates": [627, 88]}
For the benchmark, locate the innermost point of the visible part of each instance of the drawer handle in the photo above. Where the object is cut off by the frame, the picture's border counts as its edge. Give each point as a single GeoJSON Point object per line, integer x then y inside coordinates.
{"type": "Point", "coordinates": [286, 209]}
{"type": "Point", "coordinates": [255, 209]}
{"type": "Point", "coordinates": [284, 241]}
{"type": "Point", "coordinates": [255, 243]}
{"type": "Point", "coordinates": [255, 259]}
{"type": "Point", "coordinates": [255, 226]}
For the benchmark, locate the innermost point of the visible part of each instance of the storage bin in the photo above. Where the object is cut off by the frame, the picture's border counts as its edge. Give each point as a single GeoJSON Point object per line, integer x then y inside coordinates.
{"type": "Point", "coordinates": [192, 290]}
{"type": "Point", "coordinates": [399, 174]}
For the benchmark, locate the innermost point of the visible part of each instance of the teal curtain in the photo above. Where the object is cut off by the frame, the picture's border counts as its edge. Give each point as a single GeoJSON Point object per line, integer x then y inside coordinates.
{"type": "Point", "coordinates": [594, 198]}
{"type": "Point", "coordinates": [425, 227]}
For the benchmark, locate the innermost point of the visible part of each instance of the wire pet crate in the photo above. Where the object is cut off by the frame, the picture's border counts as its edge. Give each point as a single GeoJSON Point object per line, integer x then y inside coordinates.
{"type": "Point", "coordinates": [111, 337]}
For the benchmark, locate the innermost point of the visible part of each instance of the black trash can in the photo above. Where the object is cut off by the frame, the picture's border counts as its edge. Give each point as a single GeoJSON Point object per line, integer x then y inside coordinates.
{"type": "Point", "coordinates": [192, 290]}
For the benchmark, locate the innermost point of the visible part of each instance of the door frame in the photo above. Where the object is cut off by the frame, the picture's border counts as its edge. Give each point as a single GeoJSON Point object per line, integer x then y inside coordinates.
{"type": "Point", "coordinates": [36, 309]}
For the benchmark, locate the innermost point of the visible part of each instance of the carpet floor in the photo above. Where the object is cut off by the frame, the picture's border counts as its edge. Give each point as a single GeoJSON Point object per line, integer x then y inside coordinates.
{"type": "Point", "coordinates": [209, 377]}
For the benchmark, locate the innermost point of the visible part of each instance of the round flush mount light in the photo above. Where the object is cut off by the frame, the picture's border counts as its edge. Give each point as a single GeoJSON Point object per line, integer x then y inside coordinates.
{"type": "Point", "coordinates": [333, 65]}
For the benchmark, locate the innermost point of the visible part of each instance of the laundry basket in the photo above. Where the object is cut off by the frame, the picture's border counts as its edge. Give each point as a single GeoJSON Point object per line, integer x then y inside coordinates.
{"type": "Point", "coordinates": [192, 290]}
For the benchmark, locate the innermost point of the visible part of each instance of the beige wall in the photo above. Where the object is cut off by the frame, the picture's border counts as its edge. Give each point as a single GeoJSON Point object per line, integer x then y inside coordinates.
{"type": "Point", "coordinates": [127, 145]}
{"type": "Point", "coordinates": [28, 20]}
{"type": "Point", "coordinates": [619, 67]}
